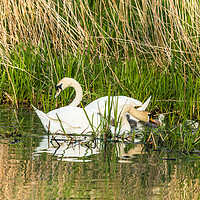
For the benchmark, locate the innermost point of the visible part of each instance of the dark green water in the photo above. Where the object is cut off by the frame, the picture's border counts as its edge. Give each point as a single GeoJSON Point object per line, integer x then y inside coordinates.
{"type": "Point", "coordinates": [33, 167]}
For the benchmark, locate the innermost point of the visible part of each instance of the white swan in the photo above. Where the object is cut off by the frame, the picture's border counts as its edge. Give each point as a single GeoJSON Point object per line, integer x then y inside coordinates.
{"type": "Point", "coordinates": [74, 120]}
{"type": "Point", "coordinates": [100, 105]}
{"type": "Point", "coordinates": [71, 119]}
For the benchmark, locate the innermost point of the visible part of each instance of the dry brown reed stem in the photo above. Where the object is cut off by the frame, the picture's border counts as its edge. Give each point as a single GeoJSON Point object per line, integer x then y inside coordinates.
{"type": "Point", "coordinates": [154, 28]}
{"type": "Point", "coordinates": [10, 80]}
{"type": "Point", "coordinates": [183, 101]}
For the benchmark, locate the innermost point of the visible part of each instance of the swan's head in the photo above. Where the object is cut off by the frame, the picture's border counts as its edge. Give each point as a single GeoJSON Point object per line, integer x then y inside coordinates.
{"type": "Point", "coordinates": [141, 115]}
{"type": "Point", "coordinates": [62, 84]}
{"type": "Point", "coordinates": [59, 88]}
{"type": "Point", "coordinates": [146, 116]}
{"type": "Point", "coordinates": [150, 118]}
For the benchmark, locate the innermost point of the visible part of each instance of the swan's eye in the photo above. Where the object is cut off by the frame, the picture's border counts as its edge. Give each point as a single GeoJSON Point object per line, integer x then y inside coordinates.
{"type": "Point", "coordinates": [59, 87]}
{"type": "Point", "coordinates": [150, 115]}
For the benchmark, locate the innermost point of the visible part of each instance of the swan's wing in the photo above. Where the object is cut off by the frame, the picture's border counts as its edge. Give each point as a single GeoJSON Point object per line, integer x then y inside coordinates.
{"type": "Point", "coordinates": [99, 105]}
{"type": "Point", "coordinates": [96, 104]}
{"type": "Point", "coordinates": [68, 115]}
{"type": "Point", "coordinates": [58, 110]}
{"type": "Point", "coordinates": [145, 104]}
{"type": "Point", "coordinates": [134, 101]}
{"type": "Point", "coordinates": [74, 117]}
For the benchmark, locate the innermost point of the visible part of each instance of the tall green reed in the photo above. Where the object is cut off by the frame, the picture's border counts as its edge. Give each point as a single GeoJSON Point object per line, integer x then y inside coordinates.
{"type": "Point", "coordinates": [33, 79]}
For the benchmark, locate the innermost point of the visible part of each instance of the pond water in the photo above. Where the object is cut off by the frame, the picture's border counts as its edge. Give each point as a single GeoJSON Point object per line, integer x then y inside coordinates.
{"type": "Point", "coordinates": [35, 165]}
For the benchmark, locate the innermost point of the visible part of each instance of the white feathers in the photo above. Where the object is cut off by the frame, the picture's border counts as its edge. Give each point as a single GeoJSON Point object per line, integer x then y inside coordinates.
{"type": "Point", "coordinates": [72, 119]}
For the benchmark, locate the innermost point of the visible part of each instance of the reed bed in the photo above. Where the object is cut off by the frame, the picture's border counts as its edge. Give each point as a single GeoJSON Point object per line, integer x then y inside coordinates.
{"type": "Point", "coordinates": [136, 48]}
{"type": "Point", "coordinates": [163, 34]}
{"type": "Point", "coordinates": [161, 30]}
{"type": "Point", "coordinates": [28, 79]}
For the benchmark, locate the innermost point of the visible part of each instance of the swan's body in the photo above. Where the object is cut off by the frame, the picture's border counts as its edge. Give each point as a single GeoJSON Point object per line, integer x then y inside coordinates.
{"type": "Point", "coordinates": [117, 104]}
{"type": "Point", "coordinates": [74, 120]}
{"type": "Point", "coordinates": [100, 105]}
{"type": "Point", "coordinates": [71, 119]}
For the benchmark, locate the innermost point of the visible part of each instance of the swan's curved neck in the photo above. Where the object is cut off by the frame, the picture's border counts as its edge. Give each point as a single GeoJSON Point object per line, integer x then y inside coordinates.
{"type": "Point", "coordinates": [70, 82]}
{"type": "Point", "coordinates": [138, 114]}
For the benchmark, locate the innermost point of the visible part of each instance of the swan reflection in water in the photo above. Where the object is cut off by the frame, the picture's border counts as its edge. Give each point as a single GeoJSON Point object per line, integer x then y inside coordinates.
{"type": "Point", "coordinates": [67, 149]}
{"type": "Point", "coordinates": [77, 149]}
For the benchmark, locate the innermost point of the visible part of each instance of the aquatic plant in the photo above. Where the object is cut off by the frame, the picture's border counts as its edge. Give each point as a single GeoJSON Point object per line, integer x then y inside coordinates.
{"type": "Point", "coordinates": [138, 48]}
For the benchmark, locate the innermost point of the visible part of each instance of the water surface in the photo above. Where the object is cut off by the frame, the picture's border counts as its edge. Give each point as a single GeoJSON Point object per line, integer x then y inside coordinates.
{"type": "Point", "coordinates": [35, 165]}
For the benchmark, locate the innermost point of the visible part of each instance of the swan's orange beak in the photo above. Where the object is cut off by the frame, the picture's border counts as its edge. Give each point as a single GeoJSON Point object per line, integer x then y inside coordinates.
{"type": "Point", "coordinates": [152, 120]}
{"type": "Point", "coordinates": [58, 92]}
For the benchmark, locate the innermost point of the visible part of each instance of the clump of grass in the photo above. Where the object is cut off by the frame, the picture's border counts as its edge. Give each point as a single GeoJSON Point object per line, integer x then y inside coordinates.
{"type": "Point", "coordinates": [32, 82]}
{"type": "Point", "coordinates": [99, 42]}
{"type": "Point", "coordinates": [178, 134]}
